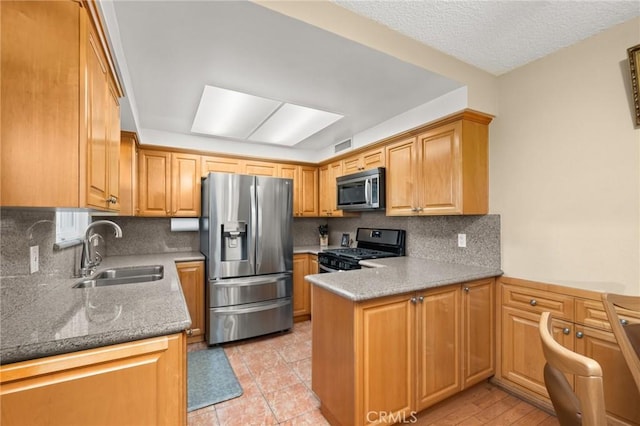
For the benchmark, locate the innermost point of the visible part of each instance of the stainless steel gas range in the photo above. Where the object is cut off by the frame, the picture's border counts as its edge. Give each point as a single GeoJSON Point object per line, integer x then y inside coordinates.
{"type": "Point", "coordinates": [371, 244]}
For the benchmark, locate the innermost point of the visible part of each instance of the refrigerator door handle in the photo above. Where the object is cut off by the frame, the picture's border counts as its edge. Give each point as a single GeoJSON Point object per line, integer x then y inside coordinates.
{"type": "Point", "coordinates": [255, 228]}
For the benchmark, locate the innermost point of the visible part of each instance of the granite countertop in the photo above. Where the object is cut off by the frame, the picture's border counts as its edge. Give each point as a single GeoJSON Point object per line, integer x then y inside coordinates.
{"type": "Point", "coordinates": [312, 249]}
{"type": "Point", "coordinates": [397, 275]}
{"type": "Point", "coordinates": [43, 316]}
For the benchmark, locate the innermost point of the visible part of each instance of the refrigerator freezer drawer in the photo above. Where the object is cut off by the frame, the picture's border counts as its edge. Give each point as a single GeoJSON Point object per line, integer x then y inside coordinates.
{"type": "Point", "coordinates": [250, 320]}
{"type": "Point", "coordinates": [237, 291]}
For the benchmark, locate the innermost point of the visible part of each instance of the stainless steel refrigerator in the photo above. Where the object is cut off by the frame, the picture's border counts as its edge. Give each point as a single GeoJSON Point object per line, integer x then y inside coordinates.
{"type": "Point", "coordinates": [245, 234]}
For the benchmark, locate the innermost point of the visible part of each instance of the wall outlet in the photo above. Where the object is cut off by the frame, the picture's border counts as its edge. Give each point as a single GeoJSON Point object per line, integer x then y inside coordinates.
{"type": "Point", "coordinates": [462, 240]}
{"type": "Point", "coordinates": [34, 259]}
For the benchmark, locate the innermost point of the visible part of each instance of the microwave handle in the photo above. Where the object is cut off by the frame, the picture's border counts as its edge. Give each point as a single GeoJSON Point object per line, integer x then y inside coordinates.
{"type": "Point", "coordinates": [367, 190]}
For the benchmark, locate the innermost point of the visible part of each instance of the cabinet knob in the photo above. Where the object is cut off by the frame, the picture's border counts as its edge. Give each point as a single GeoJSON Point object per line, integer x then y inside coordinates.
{"type": "Point", "coordinates": [579, 334]}
{"type": "Point", "coordinates": [189, 332]}
{"type": "Point", "coordinates": [466, 289]}
{"type": "Point", "coordinates": [533, 302]}
{"type": "Point", "coordinates": [112, 199]}
{"type": "Point", "coordinates": [415, 209]}
{"type": "Point", "coordinates": [420, 209]}
{"type": "Point", "coordinates": [421, 299]}
{"type": "Point", "coordinates": [566, 330]}
{"type": "Point", "coordinates": [624, 322]}
{"type": "Point", "coordinates": [414, 300]}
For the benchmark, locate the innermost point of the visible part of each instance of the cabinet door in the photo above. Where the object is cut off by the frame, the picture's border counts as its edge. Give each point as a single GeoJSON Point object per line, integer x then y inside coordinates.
{"type": "Point", "coordinates": [308, 193]}
{"type": "Point", "coordinates": [386, 347]}
{"type": "Point", "coordinates": [438, 350]}
{"type": "Point", "coordinates": [113, 154]}
{"type": "Point", "coordinates": [290, 171]}
{"type": "Point", "coordinates": [136, 383]}
{"type": "Point", "coordinates": [40, 105]}
{"type": "Point", "coordinates": [260, 168]}
{"type": "Point", "coordinates": [301, 301]}
{"type": "Point", "coordinates": [335, 171]}
{"type": "Point", "coordinates": [620, 393]}
{"type": "Point", "coordinates": [401, 176]}
{"type": "Point", "coordinates": [155, 183]}
{"type": "Point", "coordinates": [441, 170]}
{"type": "Point", "coordinates": [191, 276]}
{"type": "Point", "coordinates": [352, 164]}
{"type": "Point", "coordinates": [522, 357]}
{"type": "Point", "coordinates": [220, 164]}
{"type": "Point", "coordinates": [97, 117]}
{"type": "Point", "coordinates": [373, 158]}
{"type": "Point", "coordinates": [185, 185]}
{"type": "Point", "coordinates": [478, 325]}
{"type": "Point", "coordinates": [324, 197]}
{"type": "Point", "coordinates": [128, 175]}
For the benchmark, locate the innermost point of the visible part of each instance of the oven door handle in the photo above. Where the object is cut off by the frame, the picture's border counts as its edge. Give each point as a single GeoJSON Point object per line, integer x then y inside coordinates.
{"type": "Point", "coordinates": [327, 269]}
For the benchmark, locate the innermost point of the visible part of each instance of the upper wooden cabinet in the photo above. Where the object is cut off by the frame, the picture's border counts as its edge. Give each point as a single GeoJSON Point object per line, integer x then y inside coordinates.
{"type": "Point", "coordinates": [128, 174]}
{"type": "Point", "coordinates": [259, 168]}
{"type": "Point", "coordinates": [220, 164]}
{"type": "Point", "coordinates": [327, 191]}
{"type": "Point", "coordinates": [441, 171]}
{"type": "Point", "coordinates": [169, 184]}
{"type": "Point", "coordinates": [366, 160]}
{"type": "Point", "coordinates": [60, 125]}
{"type": "Point", "coordinates": [305, 188]}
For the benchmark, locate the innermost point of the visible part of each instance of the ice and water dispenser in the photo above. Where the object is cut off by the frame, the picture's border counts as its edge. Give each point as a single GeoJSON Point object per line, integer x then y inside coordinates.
{"type": "Point", "coordinates": [234, 241]}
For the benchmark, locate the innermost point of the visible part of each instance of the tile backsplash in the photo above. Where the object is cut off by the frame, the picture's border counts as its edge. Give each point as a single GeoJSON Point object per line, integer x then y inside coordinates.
{"type": "Point", "coordinates": [432, 237]}
{"type": "Point", "coordinates": [19, 230]}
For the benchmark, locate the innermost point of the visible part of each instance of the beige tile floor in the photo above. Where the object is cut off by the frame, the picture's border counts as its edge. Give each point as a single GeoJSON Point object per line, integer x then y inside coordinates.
{"type": "Point", "coordinates": [275, 375]}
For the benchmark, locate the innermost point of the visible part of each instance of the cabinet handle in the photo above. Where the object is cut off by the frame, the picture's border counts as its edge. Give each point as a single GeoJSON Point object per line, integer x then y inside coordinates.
{"type": "Point", "coordinates": [414, 300]}
{"type": "Point", "coordinates": [533, 302]}
{"type": "Point", "coordinates": [189, 332]}
{"type": "Point", "coordinates": [566, 330]}
{"type": "Point", "coordinates": [579, 334]}
{"type": "Point", "coordinates": [420, 209]}
{"type": "Point", "coordinates": [421, 299]}
{"type": "Point", "coordinates": [624, 322]}
{"type": "Point", "coordinates": [112, 199]}
{"type": "Point", "coordinates": [415, 209]}
{"type": "Point", "coordinates": [466, 289]}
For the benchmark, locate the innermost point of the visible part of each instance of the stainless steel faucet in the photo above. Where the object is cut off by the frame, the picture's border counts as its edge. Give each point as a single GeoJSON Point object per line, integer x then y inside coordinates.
{"type": "Point", "coordinates": [88, 262]}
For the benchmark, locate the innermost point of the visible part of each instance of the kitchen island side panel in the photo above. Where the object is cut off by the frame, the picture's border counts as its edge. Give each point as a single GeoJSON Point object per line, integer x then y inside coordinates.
{"type": "Point", "coordinates": [333, 355]}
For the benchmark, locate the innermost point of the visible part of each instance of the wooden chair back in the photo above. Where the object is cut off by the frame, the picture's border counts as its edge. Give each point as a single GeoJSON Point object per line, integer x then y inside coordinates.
{"type": "Point", "coordinates": [587, 374]}
{"type": "Point", "coordinates": [627, 333]}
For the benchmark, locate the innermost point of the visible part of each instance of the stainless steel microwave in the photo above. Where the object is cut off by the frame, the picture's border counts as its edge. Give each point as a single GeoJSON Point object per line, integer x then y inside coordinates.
{"type": "Point", "coordinates": [362, 190]}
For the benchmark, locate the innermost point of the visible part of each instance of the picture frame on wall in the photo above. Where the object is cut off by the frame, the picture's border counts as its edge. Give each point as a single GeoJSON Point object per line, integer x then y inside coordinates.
{"type": "Point", "coordinates": [634, 65]}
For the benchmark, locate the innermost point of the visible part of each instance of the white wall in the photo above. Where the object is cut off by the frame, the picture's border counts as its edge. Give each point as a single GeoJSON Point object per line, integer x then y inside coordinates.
{"type": "Point", "coordinates": [565, 167]}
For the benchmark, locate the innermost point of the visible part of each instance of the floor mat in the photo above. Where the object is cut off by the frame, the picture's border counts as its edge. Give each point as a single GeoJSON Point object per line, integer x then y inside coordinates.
{"type": "Point", "coordinates": [210, 378]}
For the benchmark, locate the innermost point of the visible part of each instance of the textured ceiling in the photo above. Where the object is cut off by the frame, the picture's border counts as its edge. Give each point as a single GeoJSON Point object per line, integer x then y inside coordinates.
{"type": "Point", "coordinates": [496, 36]}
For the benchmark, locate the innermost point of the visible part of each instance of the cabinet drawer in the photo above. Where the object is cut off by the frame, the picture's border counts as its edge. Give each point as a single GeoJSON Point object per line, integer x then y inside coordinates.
{"type": "Point", "coordinates": [533, 300]}
{"type": "Point", "coordinates": [591, 313]}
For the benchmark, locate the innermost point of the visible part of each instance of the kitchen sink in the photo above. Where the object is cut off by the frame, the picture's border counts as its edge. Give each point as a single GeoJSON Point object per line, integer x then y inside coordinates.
{"type": "Point", "coordinates": [126, 275]}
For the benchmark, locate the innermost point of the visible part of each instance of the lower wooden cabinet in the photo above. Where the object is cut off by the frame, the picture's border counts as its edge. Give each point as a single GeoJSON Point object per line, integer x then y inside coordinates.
{"type": "Point", "coordinates": [302, 265]}
{"type": "Point", "coordinates": [580, 324]}
{"type": "Point", "coordinates": [191, 276]}
{"type": "Point", "coordinates": [398, 355]}
{"type": "Point", "coordinates": [137, 383]}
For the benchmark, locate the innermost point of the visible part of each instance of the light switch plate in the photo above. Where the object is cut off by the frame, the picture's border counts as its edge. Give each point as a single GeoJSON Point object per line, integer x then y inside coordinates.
{"type": "Point", "coordinates": [34, 259]}
{"type": "Point", "coordinates": [462, 240]}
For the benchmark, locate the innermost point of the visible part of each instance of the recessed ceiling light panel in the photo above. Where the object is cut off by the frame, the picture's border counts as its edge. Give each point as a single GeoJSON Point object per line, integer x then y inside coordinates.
{"type": "Point", "coordinates": [232, 114]}
{"type": "Point", "coordinates": [293, 123]}
{"type": "Point", "coordinates": [229, 113]}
